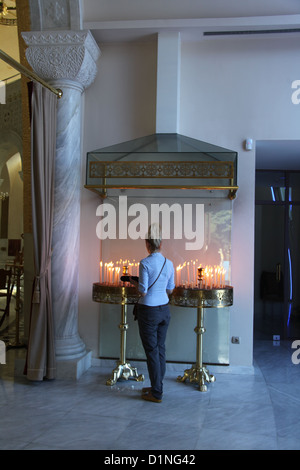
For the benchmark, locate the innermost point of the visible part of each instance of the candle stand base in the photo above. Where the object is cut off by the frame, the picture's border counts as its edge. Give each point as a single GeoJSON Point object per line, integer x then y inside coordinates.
{"type": "Point", "coordinates": [201, 299]}
{"type": "Point", "coordinates": [124, 371]}
{"type": "Point", "coordinates": [122, 295]}
{"type": "Point", "coordinates": [198, 375]}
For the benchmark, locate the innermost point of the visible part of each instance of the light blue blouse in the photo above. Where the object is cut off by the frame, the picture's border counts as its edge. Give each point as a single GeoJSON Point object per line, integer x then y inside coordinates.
{"type": "Point", "coordinates": [149, 270]}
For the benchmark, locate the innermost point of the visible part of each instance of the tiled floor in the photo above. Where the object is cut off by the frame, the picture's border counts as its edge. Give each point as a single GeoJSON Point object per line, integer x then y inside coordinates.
{"type": "Point", "coordinates": [239, 411]}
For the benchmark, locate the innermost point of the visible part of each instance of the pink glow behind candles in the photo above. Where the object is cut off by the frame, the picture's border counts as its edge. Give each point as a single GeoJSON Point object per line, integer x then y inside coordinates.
{"type": "Point", "coordinates": [186, 274]}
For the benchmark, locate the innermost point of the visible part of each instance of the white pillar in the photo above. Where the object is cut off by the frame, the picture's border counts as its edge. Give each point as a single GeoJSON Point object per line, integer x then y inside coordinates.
{"type": "Point", "coordinates": [168, 83]}
{"type": "Point", "coordinates": [66, 60]}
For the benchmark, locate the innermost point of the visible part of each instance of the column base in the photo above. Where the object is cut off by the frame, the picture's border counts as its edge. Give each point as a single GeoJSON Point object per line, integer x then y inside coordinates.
{"type": "Point", "coordinates": [66, 369]}
{"type": "Point", "coordinates": [69, 348]}
{"type": "Point", "coordinates": [73, 368]}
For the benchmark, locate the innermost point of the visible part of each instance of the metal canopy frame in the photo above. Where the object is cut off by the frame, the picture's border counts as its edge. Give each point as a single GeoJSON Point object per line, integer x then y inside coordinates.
{"type": "Point", "coordinates": [162, 161]}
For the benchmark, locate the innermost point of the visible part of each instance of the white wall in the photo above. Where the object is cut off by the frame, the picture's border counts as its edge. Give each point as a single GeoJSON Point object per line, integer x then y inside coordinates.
{"type": "Point", "coordinates": [118, 106]}
{"type": "Point", "coordinates": [230, 90]}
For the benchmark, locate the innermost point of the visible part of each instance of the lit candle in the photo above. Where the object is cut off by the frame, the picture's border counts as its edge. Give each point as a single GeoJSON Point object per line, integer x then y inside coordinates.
{"type": "Point", "coordinates": [109, 272]}
{"type": "Point", "coordinates": [194, 274]}
{"type": "Point", "coordinates": [100, 269]}
{"type": "Point", "coordinates": [210, 278]}
{"type": "Point", "coordinates": [131, 273]}
{"type": "Point", "coordinates": [179, 268]}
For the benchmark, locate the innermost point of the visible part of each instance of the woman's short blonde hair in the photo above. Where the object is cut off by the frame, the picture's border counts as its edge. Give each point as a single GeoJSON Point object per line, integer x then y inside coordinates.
{"type": "Point", "coordinates": [154, 236]}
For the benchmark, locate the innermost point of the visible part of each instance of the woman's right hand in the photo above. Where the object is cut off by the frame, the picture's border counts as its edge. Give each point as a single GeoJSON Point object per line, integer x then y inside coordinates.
{"type": "Point", "coordinates": [133, 281]}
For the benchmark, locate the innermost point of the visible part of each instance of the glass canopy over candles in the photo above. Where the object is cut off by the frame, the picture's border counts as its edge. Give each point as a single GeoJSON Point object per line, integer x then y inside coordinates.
{"type": "Point", "coordinates": [184, 184]}
{"type": "Point", "coordinates": [162, 161]}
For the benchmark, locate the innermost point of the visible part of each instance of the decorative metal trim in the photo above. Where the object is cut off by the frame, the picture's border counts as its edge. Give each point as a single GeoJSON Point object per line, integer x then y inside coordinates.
{"type": "Point", "coordinates": [206, 298]}
{"type": "Point", "coordinates": [181, 297]}
{"type": "Point", "coordinates": [154, 169]}
{"type": "Point", "coordinates": [114, 294]}
{"type": "Point", "coordinates": [172, 170]}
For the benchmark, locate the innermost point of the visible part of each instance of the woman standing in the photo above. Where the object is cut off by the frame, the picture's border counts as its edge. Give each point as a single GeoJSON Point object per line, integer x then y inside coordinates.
{"type": "Point", "coordinates": [156, 282]}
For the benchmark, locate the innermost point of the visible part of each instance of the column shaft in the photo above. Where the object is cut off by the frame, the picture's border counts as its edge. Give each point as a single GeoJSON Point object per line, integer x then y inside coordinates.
{"type": "Point", "coordinates": [67, 60]}
{"type": "Point", "coordinates": [66, 223]}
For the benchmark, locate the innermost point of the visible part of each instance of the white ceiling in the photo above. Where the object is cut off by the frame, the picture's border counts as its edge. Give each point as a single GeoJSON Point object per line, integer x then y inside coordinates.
{"type": "Point", "coordinates": [116, 10]}
{"type": "Point", "coordinates": [121, 20]}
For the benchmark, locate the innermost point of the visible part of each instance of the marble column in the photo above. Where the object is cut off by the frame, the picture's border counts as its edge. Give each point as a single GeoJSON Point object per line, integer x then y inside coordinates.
{"type": "Point", "coordinates": [66, 60]}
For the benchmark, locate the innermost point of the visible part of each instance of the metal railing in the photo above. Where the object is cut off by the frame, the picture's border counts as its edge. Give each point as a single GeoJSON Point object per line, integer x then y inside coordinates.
{"type": "Point", "coordinates": [31, 75]}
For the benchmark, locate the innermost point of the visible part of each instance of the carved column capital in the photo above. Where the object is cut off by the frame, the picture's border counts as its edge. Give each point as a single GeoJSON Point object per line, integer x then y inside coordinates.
{"type": "Point", "coordinates": [63, 55]}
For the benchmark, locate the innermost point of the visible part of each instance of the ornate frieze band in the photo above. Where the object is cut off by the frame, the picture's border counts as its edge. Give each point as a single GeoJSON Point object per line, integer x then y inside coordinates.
{"type": "Point", "coordinates": [70, 55]}
{"type": "Point", "coordinates": [193, 169]}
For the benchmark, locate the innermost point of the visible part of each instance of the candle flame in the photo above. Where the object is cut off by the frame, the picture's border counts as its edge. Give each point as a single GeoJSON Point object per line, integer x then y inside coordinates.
{"type": "Point", "coordinates": [186, 273]}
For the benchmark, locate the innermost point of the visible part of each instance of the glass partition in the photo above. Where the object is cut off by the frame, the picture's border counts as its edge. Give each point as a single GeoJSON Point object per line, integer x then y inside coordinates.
{"type": "Point", "coordinates": [196, 232]}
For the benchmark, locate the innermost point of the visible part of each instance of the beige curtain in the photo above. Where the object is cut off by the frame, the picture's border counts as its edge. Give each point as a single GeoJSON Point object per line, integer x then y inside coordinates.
{"type": "Point", "coordinates": [40, 362]}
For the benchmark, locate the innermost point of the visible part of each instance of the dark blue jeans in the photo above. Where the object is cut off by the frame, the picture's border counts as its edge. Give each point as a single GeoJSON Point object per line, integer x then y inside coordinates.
{"type": "Point", "coordinates": [153, 325]}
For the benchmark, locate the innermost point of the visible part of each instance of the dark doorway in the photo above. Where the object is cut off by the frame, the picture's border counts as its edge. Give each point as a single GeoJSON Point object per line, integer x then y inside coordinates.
{"type": "Point", "coordinates": [277, 255]}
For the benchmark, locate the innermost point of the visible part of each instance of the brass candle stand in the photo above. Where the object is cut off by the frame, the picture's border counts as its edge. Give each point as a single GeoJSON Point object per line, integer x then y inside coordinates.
{"type": "Point", "coordinates": [122, 295]}
{"type": "Point", "coordinates": [201, 299]}
{"type": "Point", "coordinates": [191, 297]}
